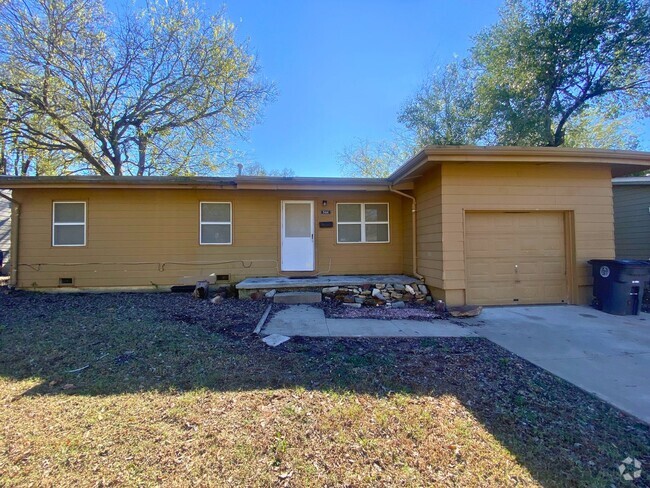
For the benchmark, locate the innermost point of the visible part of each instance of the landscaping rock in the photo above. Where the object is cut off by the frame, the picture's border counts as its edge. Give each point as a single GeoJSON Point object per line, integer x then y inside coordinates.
{"type": "Point", "coordinates": [270, 294]}
{"type": "Point", "coordinates": [352, 305]}
{"type": "Point", "coordinates": [201, 290]}
{"type": "Point", "coordinates": [226, 291]}
{"type": "Point", "coordinates": [380, 294]}
{"type": "Point", "coordinates": [217, 299]}
{"type": "Point", "coordinates": [465, 311]}
{"type": "Point", "coordinates": [398, 305]}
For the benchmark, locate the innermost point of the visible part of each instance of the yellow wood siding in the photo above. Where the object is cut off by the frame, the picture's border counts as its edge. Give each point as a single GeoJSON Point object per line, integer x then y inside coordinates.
{"type": "Point", "coordinates": [152, 235]}
{"type": "Point", "coordinates": [582, 191]}
{"type": "Point", "coordinates": [429, 232]}
{"type": "Point", "coordinates": [407, 237]}
{"type": "Point", "coordinates": [159, 229]}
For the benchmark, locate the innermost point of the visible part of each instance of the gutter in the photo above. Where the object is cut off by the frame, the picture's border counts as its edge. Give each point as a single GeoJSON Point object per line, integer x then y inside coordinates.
{"type": "Point", "coordinates": [15, 227]}
{"type": "Point", "coordinates": [413, 230]}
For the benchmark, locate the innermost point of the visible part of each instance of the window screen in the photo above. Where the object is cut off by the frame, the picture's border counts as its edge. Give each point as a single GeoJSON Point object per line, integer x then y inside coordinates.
{"type": "Point", "coordinates": [216, 223]}
{"type": "Point", "coordinates": [69, 224]}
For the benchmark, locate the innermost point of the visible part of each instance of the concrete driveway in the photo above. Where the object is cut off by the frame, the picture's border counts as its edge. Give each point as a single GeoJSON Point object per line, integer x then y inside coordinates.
{"type": "Point", "coordinates": [604, 354]}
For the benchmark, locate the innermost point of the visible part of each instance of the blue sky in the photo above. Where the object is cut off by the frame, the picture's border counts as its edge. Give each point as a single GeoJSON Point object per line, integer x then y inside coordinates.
{"type": "Point", "coordinates": [343, 69]}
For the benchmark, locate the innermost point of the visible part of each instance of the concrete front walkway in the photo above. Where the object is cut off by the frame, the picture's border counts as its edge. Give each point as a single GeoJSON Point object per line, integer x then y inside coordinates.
{"type": "Point", "coordinates": [604, 354]}
{"type": "Point", "coordinates": [303, 320]}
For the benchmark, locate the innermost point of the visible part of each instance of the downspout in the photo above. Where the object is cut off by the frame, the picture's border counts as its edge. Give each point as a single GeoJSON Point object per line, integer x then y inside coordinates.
{"type": "Point", "coordinates": [414, 237]}
{"type": "Point", "coordinates": [15, 227]}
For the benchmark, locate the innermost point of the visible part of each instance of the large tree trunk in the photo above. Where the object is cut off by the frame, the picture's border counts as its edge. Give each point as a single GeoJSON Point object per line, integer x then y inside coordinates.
{"type": "Point", "coordinates": [142, 152]}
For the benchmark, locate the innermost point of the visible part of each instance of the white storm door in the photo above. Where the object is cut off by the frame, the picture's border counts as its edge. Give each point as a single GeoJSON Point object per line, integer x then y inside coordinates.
{"type": "Point", "coordinates": [297, 236]}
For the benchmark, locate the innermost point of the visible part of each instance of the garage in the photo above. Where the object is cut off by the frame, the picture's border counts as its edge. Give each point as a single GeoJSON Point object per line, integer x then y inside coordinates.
{"type": "Point", "coordinates": [515, 258]}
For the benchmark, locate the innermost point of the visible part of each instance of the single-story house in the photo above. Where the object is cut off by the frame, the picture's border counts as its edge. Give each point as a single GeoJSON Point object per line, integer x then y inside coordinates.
{"type": "Point", "coordinates": [5, 233]}
{"type": "Point", "coordinates": [632, 217]}
{"type": "Point", "coordinates": [480, 225]}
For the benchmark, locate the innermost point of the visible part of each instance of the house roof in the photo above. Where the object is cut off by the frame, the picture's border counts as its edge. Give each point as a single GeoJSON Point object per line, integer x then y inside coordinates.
{"type": "Point", "coordinates": [631, 180]}
{"type": "Point", "coordinates": [195, 182]}
{"type": "Point", "coordinates": [620, 162]}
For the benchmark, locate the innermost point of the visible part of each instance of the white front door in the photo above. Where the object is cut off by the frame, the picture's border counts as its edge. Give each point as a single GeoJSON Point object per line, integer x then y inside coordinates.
{"type": "Point", "coordinates": [297, 236]}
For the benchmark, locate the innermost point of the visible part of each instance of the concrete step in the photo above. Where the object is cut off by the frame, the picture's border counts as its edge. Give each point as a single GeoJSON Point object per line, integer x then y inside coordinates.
{"type": "Point", "coordinates": [294, 297]}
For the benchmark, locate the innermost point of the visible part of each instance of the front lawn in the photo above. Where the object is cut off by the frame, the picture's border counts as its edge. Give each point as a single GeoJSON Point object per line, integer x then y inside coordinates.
{"type": "Point", "coordinates": [175, 391]}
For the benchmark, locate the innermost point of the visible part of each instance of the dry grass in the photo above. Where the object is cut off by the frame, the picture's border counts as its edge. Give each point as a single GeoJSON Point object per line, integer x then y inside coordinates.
{"type": "Point", "coordinates": [192, 401]}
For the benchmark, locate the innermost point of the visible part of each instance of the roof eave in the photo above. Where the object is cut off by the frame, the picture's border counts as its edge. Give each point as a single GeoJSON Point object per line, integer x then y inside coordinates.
{"type": "Point", "coordinates": [16, 182]}
{"type": "Point", "coordinates": [621, 162]}
{"type": "Point", "coordinates": [152, 182]}
{"type": "Point", "coordinates": [631, 181]}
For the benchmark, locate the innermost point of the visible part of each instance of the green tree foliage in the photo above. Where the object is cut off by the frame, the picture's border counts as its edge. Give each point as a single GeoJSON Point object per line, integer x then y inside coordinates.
{"type": "Point", "coordinates": [549, 73]}
{"type": "Point", "coordinates": [162, 90]}
{"type": "Point", "coordinates": [257, 169]}
{"type": "Point", "coordinates": [546, 62]}
{"type": "Point", "coordinates": [444, 110]}
{"type": "Point", "coordinates": [595, 127]}
{"type": "Point", "coordinates": [365, 159]}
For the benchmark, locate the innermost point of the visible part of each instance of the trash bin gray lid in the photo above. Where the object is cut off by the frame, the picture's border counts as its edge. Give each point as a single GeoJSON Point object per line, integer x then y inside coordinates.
{"type": "Point", "coordinates": [619, 262]}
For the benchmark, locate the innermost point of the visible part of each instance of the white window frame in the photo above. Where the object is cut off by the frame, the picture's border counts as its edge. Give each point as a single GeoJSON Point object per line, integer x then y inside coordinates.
{"type": "Point", "coordinates": [201, 223]}
{"type": "Point", "coordinates": [363, 222]}
{"type": "Point", "coordinates": [55, 224]}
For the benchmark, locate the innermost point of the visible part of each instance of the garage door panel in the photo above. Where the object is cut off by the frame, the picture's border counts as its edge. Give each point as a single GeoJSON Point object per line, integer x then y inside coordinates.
{"type": "Point", "coordinates": [499, 243]}
{"type": "Point", "coordinates": [485, 271]}
{"type": "Point", "coordinates": [486, 293]}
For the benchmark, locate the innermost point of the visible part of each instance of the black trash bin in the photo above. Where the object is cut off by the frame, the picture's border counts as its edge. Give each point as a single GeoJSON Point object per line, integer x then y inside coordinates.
{"type": "Point", "coordinates": [619, 285]}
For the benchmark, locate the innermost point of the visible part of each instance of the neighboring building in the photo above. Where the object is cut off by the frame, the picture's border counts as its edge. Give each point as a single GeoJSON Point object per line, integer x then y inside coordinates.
{"type": "Point", "coordinates": [632, 217]}
{"type": "Point", "coordinates": [494, 225]}
{"type": "Point", "coordinates": [5, 232]}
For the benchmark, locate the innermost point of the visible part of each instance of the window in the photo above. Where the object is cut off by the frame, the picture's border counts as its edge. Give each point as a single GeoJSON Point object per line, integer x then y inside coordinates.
{"type": "Point", "coordinates": [69, 224]}
{"type": "Point", "coordinates": [216, 223]}
{"type": "Point", "coordinates": [362, 222]}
